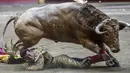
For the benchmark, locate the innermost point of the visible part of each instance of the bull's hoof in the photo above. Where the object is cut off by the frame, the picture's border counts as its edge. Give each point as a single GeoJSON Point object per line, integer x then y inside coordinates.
{"type": "Point", "coordinates": [112, 63]}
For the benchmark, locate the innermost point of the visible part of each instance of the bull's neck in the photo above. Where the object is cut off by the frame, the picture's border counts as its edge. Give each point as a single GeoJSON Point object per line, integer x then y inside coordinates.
{"type": "Point", "coordinates": [91, 16]}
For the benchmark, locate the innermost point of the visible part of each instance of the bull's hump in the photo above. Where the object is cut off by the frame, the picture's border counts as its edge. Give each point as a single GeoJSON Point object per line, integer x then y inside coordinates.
{"type": "Point", "coordinates": [64, 5]}
{"type": "Point", "coordinates": [56, 7]}
{"type": "Point", "coordinates": [68, 5]}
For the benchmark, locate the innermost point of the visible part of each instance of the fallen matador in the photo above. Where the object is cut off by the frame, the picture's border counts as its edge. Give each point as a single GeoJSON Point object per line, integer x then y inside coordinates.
{"type": "Point", "coordinates": [41, 59]}
{"type": "Point", "coordinates": [38, 59]}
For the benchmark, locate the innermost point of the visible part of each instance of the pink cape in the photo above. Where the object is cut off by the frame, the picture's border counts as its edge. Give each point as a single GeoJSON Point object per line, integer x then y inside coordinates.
{"type": "Point", "coordinates": [2, 52]}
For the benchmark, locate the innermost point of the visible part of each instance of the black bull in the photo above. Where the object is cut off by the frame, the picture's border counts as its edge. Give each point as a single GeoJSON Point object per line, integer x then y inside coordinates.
{"type": "Point", "coordinates": [67, 22]}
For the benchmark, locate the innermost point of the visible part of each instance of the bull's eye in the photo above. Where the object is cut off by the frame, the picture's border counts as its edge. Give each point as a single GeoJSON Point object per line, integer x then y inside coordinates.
{"type": "Point", "coordinates": [113, 25]}
{"type": "Point", "coordinates": [106, 34]}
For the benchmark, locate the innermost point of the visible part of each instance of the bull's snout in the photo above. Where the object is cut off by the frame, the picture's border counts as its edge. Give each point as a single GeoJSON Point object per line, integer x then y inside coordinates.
{"type": "Point", "coordinates": [115, 50]}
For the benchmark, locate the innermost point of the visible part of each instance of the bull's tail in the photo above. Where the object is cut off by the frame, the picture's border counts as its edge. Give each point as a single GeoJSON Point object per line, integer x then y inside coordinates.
{"type": "Point", "coordinates": [2, 37]}
{"type": "Point", "coordinates": [11, 19]}
{"type": "Point", "coordinates": [15, 18]}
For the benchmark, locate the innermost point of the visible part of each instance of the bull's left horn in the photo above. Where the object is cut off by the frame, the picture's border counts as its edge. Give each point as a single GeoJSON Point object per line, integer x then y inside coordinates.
{"type": "Point", "coordinates": [123, 24]}
{"type": "Point", "coordinates": [97, 29]}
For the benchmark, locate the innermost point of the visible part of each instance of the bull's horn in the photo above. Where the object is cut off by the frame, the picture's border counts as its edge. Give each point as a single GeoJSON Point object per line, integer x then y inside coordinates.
{"type": "Point", "coordinates": [123, 24]}
{"type": "Point", "coordinates": [97, 29]}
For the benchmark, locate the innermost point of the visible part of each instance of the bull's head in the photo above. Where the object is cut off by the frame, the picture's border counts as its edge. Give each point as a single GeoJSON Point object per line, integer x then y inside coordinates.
{"type": "Point", "coordinates": [109, 29]}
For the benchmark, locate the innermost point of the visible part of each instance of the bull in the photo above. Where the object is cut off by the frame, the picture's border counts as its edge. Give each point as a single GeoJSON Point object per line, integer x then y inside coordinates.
{"type": "Point", "coordinates": [73, 22]}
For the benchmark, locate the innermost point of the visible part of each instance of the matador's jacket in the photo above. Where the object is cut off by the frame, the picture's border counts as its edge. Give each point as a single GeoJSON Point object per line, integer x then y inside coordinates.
{"type": "Point", "coordinates": [43, 60]}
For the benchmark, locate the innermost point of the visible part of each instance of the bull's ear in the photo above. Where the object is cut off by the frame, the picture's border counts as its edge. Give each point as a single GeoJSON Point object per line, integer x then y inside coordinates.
{"type": "Point", "coordinates": [123, 24]}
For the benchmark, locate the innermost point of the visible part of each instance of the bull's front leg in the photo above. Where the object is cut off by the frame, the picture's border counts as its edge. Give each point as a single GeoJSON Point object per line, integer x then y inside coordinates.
{"type": "Point", "coordinates": [94, 48]}
{"type": "Point", "coordinates": [90, 45]}
{"type": "Point", "coordinates": [111, 61]}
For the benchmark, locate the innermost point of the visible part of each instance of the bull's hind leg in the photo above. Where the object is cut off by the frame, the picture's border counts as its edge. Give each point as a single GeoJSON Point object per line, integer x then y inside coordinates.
{"type": "Point", "coordinates": [29, 36]}
{"type": "Point", "coordinates": [16, 45]}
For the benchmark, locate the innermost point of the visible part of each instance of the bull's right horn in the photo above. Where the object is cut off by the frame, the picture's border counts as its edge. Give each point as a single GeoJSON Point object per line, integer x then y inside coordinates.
{"type": "Point", "coordinates": [98, 27]}
{"type": "Point", "coordinates": [123, 24]}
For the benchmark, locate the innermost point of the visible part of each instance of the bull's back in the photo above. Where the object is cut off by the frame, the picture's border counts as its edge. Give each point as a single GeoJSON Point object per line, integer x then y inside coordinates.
{"type": "Point", "coordinates": [56, 19]}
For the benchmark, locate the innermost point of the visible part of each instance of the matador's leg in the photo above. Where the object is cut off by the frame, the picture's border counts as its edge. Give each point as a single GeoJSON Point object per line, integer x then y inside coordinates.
{"type": "Point", "coordinates": [64, 61]}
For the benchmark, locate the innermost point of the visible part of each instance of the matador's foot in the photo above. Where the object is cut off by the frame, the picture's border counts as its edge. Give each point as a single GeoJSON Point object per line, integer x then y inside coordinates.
{"type": "Point", "coordinates": [110, 60]}
{"type": "Point", "coordinates": [86, 62]}
{"type": "Point", "coordinates": [113, 62]}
